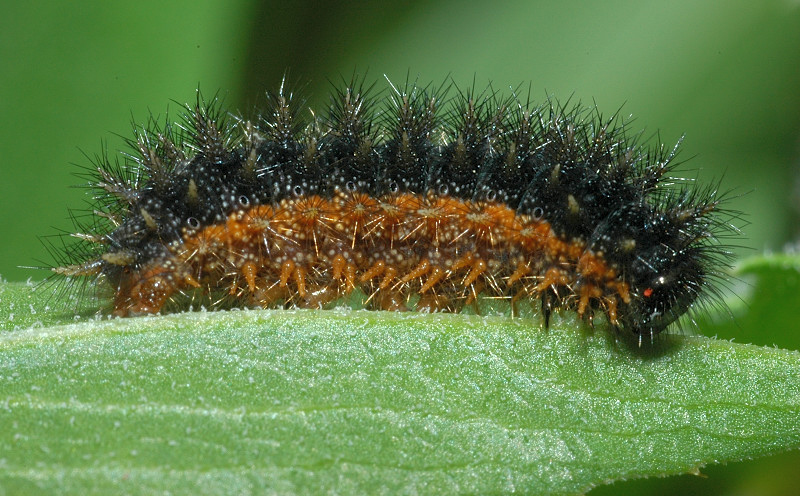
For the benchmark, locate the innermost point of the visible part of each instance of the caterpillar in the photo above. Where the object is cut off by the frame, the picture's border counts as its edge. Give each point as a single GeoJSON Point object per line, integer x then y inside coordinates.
{"type": "Point", "coordinates": [420, 197]}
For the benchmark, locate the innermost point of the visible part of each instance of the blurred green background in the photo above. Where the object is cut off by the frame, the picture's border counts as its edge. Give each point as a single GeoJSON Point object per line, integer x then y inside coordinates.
{"type": "Point", "coordinates": [724, 73]}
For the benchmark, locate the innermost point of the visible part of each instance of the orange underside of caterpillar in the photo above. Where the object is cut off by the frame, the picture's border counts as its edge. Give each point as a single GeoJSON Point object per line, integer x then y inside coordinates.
{"type": "Point", "coordinates": [308, 251]}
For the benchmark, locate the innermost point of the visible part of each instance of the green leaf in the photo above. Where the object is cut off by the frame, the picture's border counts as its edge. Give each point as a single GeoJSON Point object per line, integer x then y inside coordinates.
{"type": "Point", "coordinates": [764, 310]}
{"type": "Point", "coordinates": [371, 402]}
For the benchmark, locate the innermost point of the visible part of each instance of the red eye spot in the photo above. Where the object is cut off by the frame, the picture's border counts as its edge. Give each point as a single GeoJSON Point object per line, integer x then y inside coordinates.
{"type": "Point", "coordinates": [648, 292]}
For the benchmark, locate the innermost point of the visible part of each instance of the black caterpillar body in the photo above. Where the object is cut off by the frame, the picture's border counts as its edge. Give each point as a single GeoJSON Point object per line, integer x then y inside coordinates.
{"type": "Point", "coordinates": [417, 198]}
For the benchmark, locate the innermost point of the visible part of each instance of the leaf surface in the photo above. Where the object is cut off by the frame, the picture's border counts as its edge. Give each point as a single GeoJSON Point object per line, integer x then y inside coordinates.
{"type": "Point", "coordinates": [354, 401]}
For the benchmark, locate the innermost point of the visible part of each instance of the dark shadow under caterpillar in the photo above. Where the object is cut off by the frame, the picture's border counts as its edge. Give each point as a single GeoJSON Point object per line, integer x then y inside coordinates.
{"type": "Point", "coordinates": [437, 194]}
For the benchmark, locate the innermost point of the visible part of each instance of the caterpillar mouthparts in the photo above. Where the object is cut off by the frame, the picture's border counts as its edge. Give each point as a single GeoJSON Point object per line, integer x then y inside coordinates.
{"type": "Point", "coordinates": [417, 198]}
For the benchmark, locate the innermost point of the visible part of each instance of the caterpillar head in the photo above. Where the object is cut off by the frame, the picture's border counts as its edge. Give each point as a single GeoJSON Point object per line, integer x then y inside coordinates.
{"type": "Point", "coordinates": [665, 283]}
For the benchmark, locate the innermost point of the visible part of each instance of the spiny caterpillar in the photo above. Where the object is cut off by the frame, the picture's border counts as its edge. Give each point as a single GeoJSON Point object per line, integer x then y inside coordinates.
{"type": "Point", "coordinates": [412, 196]}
